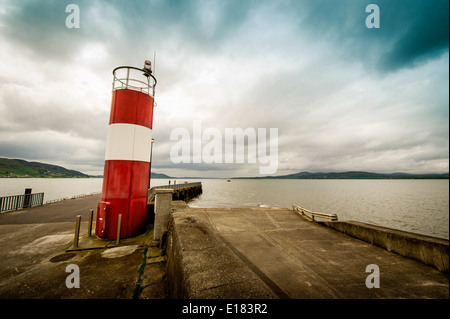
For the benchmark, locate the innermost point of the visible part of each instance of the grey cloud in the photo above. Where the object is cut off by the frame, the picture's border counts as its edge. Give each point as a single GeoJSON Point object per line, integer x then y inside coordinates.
{"type": "Point", "coordinates": [426, 35]}
{"type": "Point", "coordinates": [23, 113]}
{"type": "Point", "coordinates": [411, 32]}
{"type": "Point", "coordinates": [40, 26]}
{"type": "Point", "coordinates": [306, 84]}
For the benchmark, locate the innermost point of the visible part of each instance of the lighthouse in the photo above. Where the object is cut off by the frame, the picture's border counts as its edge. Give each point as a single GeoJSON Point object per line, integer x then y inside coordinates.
{"type": "Point", "coordinates": [128, 154]}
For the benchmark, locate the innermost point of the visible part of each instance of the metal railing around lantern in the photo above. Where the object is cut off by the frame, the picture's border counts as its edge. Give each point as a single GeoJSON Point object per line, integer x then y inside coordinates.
{"type": "Point", "coordinates": [132, 78]}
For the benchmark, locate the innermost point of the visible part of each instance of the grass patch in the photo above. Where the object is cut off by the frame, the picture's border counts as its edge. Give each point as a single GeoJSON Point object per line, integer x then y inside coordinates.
{"type": "Point", "coordinates": [137, 288]}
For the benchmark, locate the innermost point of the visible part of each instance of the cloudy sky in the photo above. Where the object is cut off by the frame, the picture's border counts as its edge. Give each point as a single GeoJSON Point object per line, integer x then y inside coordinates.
{"type": "Point", "coordinates": [342, 96]}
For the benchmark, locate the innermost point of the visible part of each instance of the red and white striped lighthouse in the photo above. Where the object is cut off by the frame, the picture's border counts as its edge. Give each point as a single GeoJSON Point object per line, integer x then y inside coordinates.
{"type": "Point", "coordinates": [128, 153]}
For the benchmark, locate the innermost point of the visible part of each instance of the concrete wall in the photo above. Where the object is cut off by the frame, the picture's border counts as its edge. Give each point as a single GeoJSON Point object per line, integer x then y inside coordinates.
{"type": "Point", "coordinates": [201, 266]}
{"type": "Point", "coordinates": [188, 193]}
{"type": "Point", "coordinates": [163, 208]}
{"type": "Point", "coordinates": [428, 250]}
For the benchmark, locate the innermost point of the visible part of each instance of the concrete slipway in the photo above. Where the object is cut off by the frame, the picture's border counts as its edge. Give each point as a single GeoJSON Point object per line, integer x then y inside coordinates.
{"type": "Point", "coordinates": [275, 253]}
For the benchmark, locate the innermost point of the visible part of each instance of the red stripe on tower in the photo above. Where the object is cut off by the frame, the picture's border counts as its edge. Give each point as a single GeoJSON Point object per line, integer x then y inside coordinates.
{"type": "Point", "coordinates": [128, 153]}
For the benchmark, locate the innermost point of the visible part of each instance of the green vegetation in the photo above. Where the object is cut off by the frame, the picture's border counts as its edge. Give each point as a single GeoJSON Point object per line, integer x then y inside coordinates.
{"type": "Point", "coordinates": [22, 168]}
{"type": "Point", "coordinates": [137, 288]}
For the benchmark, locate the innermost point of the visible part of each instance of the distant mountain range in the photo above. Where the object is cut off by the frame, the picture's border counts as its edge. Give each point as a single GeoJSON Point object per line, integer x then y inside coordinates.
{"type": "Point", "coordinates": [22, 168]}
{"type": "Point", "coordinates": [330, 175]}
{"type": "Point", "coordinates": [354, 175]}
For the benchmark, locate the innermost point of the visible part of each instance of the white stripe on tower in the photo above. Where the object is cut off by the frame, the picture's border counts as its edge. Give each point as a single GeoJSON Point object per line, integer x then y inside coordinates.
{"type": "Point", "coordinates": [120, 145]}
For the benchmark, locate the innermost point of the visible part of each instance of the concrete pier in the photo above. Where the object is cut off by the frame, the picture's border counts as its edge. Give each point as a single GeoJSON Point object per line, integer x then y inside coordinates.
{"type": "Point", "coordinates": [184, 192]}
{"type": "Point", "coordinates": [275, 253]}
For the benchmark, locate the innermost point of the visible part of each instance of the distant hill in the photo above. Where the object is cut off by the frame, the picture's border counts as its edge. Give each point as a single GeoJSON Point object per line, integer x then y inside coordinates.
{"type": "Point", "coordinates": [158, 175]}
{"type": "Point", "coordinates": [22, 168]}
{"type": "Point", "coordinates": [355, 175]}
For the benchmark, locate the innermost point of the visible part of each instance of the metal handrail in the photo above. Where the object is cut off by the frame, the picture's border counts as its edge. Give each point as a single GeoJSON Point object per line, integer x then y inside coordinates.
{"type": "Point", "coordinates": [15, 202]}
{"type": "Point", "coordinates": [305, 212]}
{"type": "Point", "coordinates": [132, 83]}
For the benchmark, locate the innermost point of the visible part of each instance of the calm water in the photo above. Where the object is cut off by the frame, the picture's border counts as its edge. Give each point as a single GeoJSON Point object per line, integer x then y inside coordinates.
{"type": "Point", "coordinates": [419, 206]}
{"type": "Point", "coordinates": [53, 188]}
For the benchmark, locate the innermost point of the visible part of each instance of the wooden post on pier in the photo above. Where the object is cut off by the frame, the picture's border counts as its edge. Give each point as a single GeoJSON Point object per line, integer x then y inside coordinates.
{"type": "Point", "coordinates": [77, 232]}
